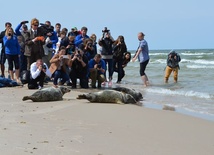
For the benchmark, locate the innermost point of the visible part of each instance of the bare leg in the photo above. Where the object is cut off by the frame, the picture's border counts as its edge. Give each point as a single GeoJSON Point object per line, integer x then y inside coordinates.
{"type": "Point", "coordinates": [11, 74]}
{"type": "Point", "coordinates": [145, 80]}
{"type": "Point", "coordinates": [17, 76]}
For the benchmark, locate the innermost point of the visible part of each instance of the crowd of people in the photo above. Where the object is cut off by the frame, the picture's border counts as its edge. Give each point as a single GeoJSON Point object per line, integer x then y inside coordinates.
{"type": "Point", "coordinates": [51, 53]}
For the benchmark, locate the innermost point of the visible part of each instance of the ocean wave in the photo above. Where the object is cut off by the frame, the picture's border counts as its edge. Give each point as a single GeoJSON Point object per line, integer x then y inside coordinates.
{"type": "Point", "coordinates": [162, 61]}
{"type": "Point", "coordinates": [181, 93]}
{"type": "Point", "coordinates": [199, 66]}
{"type": "Point", "coordinates": [199, 61]}
{"type": "Point", "coordinates": [158, 53]}
{"type": "Point", "coordinates": [195, 54]}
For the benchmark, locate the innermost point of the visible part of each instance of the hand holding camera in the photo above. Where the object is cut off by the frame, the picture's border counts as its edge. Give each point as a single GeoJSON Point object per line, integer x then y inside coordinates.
{"type": "Point", "coordinates": [24, 22]}
{"type": "Point", "coordinates": [98, 66]}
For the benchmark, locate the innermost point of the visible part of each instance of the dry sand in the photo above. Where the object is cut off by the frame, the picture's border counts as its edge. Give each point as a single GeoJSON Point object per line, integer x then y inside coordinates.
{"type": "Point", "coordinates": [77, 127]}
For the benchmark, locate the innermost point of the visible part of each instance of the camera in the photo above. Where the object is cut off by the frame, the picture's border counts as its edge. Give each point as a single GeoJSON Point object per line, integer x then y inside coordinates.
{"type": "Point", "coordinates": [105, 30]}
{"type": "Point", "coordinates": [9, 34]}
{"type": "Point", "coordinates": [90, 45]}
{"type": "Point", "coordinates": [173, 55]}
{"type": "Point", "coordinates": [98, 66]}
{"type": "Point", "coordinates": [44, 67]}
{"type": "Point", "coordinates": [24, 22]}
{"type": "Point", "coordinates": [44, 29]}
{"type": "Point", "coordinates": [78, 55]}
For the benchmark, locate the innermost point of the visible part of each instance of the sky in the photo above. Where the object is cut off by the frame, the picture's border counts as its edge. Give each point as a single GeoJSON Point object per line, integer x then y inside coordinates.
{"type": "Point", "coordinates": [167, 24]}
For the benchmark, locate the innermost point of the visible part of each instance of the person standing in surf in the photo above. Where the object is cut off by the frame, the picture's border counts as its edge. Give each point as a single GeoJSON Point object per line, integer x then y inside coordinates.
{"type": "Point", "coordinates": [173, 60]}
{"type": "Point", "coordinates": [142, 54]}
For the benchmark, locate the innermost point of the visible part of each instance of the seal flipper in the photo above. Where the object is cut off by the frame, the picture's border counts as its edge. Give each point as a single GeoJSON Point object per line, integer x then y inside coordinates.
{"type": "Point", "coordinates": [25, 98]}
{"type": "Point", "coordinates": [29, 98]}
{"type": "Point", "coordinates": [83, 96]}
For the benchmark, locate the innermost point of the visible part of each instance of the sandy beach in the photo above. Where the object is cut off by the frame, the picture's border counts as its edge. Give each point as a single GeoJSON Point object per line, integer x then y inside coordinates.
{"type": "Point", "coordinates": [77, 127]}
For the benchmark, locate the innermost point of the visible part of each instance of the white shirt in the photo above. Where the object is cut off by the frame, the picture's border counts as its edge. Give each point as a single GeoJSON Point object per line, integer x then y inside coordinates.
{"type": "Point", "coordinates": [35, 72]}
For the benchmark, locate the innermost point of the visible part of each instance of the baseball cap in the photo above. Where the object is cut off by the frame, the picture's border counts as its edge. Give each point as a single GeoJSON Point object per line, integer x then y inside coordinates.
{"type": "Point", "coordinates": [74, 28]}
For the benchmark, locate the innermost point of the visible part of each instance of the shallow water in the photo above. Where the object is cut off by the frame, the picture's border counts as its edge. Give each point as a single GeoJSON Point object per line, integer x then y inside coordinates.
{"type": "Point", "coordinates": [194, 92]}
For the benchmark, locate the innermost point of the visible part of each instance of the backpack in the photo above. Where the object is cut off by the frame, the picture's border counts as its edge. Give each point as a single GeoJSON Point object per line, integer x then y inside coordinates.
{"type": "Point", "coordinates": [25, 76]}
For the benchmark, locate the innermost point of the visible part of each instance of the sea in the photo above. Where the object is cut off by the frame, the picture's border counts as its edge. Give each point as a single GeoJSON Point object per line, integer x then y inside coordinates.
{"type": "Point", "coordinates": [193, 94]}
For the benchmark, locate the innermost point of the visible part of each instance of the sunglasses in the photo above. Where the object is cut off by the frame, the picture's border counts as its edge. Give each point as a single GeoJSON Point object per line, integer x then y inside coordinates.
{"type": "Point", "coordinates": [36, 25]}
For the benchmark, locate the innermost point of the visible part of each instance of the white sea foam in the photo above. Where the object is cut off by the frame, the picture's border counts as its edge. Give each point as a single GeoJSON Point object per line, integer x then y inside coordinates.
{"type": "Point", "coordinates": [179, 92]}
{"type": "Point", "coordinates": [158, 53]}
{"type": "Point", "coordinates": [195, 54]}
{"type": "Point", "coordinates": [199, 67]}
{"type": "Point", "coordinates": [198, 61]}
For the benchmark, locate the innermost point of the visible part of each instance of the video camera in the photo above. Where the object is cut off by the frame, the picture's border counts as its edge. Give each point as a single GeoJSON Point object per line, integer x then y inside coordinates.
{"type": "Point", "coordinates": [105, 30]}
{"type": "Point", "coordinates": [45, 29]}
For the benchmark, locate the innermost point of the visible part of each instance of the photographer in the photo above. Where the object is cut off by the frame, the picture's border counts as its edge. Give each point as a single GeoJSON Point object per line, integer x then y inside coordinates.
{"type": "Point", "coordinates": [119, 50]}
{"type": "Point", "coordinates": [81, 37]}
{"type": "Point", "coordinates": [97, 69]}
{"type": "Point", "coordinates": [89, 49]}
{"type": "Point", "coordinates": [38, 71]}
{"type": "Point", "coordinates": [172, 66]}
{"type": "Point", "coordinates": [106, 43]}
{"type": "Point", "coordinates": [50, 41]}
{"type": "Point", "coordinates": [21, 32]}
{"type": "Point", "coordinates": [59, 64]}
{"type": "Point", "coordinates": [79, 68]}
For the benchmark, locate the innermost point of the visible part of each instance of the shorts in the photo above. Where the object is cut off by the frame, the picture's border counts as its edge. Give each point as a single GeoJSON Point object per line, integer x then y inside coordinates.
{"type": "Point", "coordinates": [143, 67]}
{"type": "Point", "coordinates": [13, 59]}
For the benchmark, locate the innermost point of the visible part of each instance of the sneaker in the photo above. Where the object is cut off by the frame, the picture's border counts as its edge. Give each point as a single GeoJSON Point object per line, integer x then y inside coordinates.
{"type": "Point", "coordinates": [104, 83]}
{"type": "Point", "coordinates": [118, 82]}
{"type": "Point", "coordinates": [110, 83]}
{"type": "Point", "coordinates": [39, 87]}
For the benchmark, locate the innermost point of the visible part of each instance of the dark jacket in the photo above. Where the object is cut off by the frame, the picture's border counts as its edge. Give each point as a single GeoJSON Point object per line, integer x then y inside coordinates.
{"type": "Point", "coordinates": [33, 48]}
{"type": "Point", "coordinates": [173, 60]}
{"type": "Point", "coordinates": [118, 51]}
{"type": "Point", "coordinates": [106, 44]}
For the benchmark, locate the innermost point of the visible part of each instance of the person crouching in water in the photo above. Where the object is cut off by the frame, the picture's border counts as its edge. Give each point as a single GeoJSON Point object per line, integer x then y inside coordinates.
{"type": "Point", "coordinates": [172, 66]}
{"type": "Point", "coordinates": [59, 63]}
{"type": "Point", "coordinates": [126, 60]}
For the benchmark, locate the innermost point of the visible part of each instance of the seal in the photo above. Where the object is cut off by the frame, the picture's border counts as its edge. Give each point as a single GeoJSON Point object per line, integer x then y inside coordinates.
{"type": "Point", "coordinates": [47, 94]}
{"type": "Point", "coordinates": [108, 96]}
{"type": "Point", "coordinates": [137, 95]}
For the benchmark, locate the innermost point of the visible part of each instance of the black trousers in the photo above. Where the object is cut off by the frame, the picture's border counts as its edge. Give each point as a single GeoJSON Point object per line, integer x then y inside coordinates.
{"type": "Point", "coordinates": [33, 83]}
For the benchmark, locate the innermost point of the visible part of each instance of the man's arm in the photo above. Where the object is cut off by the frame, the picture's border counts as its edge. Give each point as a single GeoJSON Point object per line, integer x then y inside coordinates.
{"type": "Point", "coordinates": [34, 71]}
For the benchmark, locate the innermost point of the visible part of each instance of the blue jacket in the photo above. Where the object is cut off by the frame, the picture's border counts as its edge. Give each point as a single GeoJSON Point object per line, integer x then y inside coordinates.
{"type": "Point", "coordinates": [11, 46]}
{"type": "Point", "coordinates": [78, 39]}
{"type": "Point", "coordinates": [54, 39]}
{"type": "Point", "coordinates": [92, 63]}
{"type": "Point", "coordinates": [17, 30]}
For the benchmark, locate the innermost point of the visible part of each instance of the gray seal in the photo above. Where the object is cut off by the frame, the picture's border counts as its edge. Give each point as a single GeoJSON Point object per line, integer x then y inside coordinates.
{"type": "Point", "coordinates": [47, 94]}
{"type": "Point", "coordinates": [108, 96]}
{"type": "Point", "coordinates": [137, 95]}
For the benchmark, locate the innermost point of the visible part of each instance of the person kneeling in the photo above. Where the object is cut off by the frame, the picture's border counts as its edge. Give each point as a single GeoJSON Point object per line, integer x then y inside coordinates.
{"type": "Point", "coordinates": [79, 69]}
{"type": "Point", "coordinates": [38, 71]}
{"type": "Point", "coordinates": [59, 64]}
{"type": "Point", "coordinates": [97, 70]}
